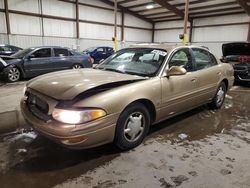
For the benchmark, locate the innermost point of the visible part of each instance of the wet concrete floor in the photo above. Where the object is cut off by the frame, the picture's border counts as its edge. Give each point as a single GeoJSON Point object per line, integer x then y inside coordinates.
{"type": "Point", "coordinates": [201, 148]}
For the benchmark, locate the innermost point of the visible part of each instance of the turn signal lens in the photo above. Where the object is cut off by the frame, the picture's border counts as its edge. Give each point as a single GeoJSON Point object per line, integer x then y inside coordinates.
{"type": "Point", "coordinates": [76, 116]}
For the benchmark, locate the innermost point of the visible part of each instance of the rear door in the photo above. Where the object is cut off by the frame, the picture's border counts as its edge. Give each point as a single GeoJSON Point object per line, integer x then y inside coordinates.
{"type": "Point", "coordinates": [208, 73]}
{"type": "Point", "coordinates": [61, 59]}
{"type": "Point", "coordinates": [38, 62]}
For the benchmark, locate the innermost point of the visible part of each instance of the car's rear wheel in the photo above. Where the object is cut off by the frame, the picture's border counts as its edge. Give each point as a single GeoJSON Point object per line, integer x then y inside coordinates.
{"type": "Point", "coordinates": [219, 97]}
{"type": "Point", "coordinates": [12, 74]}
{"type": "Point", "coordinates": [76, 66]}
{"type": "Point", "coordinates": [132, 126]}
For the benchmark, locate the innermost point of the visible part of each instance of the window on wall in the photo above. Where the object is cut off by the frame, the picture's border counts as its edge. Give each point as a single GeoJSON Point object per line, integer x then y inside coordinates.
{"type": "Point", "coordinates": [183, 59]}
{"type": "Point", "coordinates": [202, 59]}
{"type": "Point", "coordinates": [60, 52]}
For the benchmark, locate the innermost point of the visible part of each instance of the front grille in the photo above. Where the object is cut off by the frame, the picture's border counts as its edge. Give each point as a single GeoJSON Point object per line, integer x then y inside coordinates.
{"type": "Point", "coordinates": [38, 107]}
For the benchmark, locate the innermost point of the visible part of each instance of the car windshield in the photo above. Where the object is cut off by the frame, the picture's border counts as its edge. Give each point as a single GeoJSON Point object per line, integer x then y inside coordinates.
{"type": "Point", "coordinates": [136, 61]}
{"type": "Point", "coordinates": [22, 53]}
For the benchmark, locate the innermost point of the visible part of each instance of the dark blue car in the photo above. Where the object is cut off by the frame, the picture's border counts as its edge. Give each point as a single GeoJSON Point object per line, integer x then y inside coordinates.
{"type": "Point", "coordinates": [99, 53]}
{"type": "Point", "coordinates": [32, 62]}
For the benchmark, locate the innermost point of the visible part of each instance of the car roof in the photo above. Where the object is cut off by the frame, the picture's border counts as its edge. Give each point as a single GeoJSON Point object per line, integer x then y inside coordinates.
{"type": "Point", "coordinates": [165, 46]}
{"type": "Point", "coordinates": [40, 47]}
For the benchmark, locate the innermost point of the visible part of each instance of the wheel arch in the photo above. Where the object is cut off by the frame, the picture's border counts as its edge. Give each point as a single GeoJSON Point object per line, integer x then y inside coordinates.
{"type": "Point", "coordinates": [149, 105]}
{"type": "Point", "coordinates": [226, 82]}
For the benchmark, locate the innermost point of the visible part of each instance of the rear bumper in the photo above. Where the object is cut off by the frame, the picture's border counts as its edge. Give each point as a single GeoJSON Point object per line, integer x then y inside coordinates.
{"type": "Point", "coordinates": [83, 136]}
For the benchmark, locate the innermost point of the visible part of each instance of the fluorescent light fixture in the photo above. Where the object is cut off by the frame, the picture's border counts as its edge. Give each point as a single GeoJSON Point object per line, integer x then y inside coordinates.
{"type": "Point", "coordinates": [149, 6]}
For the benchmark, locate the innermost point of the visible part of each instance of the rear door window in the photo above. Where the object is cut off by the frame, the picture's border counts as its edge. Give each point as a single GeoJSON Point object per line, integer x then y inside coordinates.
{"type": "Point", "coordinates": [61, 52]}
{"type": "Point", "coordinates": [202, 59]}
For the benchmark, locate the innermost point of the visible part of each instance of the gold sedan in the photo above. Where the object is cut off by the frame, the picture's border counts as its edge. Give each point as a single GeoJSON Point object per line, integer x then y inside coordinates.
{"type": "Point", "coordinates": [122, 97]}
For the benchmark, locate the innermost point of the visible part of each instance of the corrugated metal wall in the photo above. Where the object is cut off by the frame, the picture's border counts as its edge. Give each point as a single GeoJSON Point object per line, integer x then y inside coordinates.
{"type": "Point", "coordinates": [204, 35]}
{"type": "Point", "coordinates": [28, 31]}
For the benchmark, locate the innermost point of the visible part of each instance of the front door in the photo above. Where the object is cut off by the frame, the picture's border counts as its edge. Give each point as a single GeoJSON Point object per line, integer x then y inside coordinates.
{"type": "Point", "coordinates": [179, 92]}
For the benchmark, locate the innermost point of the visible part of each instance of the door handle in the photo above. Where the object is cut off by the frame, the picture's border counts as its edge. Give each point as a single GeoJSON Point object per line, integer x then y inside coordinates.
{"type": "Point", "coordinates": [219, 73]}
{"type": "Point", "coordinates": [193, 80]}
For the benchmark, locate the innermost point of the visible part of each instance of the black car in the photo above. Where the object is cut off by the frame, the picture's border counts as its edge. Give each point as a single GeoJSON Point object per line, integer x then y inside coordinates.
{"type": "Point", "coordinates": [32, 62]}
{"type": "Point", "coordinates": [238, 54]}
{"type": "Point", "coordinates": [6, 49]}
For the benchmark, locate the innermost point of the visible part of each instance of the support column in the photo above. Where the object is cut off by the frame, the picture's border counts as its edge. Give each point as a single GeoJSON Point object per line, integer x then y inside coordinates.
{"type": "Point", "coordinates": [153, 33]}
{"type": "Point", "coordinates": [185, 23]}
{"type": "Point", "coordinates": [248, 36]}
{"type": "Point", "coordinates": [7, 17]}
{"type": "Point", "coordinates": [191, 31]}
{"type": "Point", "coordinates": [115, 26]}
{"type": "Point", "coordinates": [42, 24]}
{"type": "Point", "coordinates": [77, 20]}
{"type": "Point", "coordinates": [122, 29]}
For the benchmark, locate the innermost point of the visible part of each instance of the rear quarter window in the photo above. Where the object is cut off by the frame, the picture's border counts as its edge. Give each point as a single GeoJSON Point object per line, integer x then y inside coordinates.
{"type": "Point", "coordinates": [60, 52]}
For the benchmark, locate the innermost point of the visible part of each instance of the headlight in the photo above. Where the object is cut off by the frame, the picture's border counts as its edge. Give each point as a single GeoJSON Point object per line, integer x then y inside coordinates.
{"type": "Point", "coordinates": [77, 116]}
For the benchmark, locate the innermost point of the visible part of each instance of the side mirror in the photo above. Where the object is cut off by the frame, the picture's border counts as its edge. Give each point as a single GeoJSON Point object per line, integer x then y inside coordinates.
{"type": "Point", "coordinates": [176, 71]}
{"type": "Point", "coordinates": [30, 56]}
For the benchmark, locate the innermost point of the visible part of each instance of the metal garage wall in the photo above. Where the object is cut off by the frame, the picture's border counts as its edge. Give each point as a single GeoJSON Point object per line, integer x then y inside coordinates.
{"type": "Point", "coordinates": [214, 37]}
{"type": "Point", "coordinates": [25, 25]}
{"type": "Point", "coordinates": [59, 28]}
{"type": "Point", "coordinates": [24, 5]}
{"type": "Point", "coordinates": [169, 31]}
{"type": "Point", "coordinates": [96, 24]}
{"type": "Point", "coordinates": [2, 23]}
{"type": "Point", "coordinates": [58, 8]}
{"type": "Point", "coordinates": [25, 41]}
{"type": "Point", "coordinates": [211, 32]}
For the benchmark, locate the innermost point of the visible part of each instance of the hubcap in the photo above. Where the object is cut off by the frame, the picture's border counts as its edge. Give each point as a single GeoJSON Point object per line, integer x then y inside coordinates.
{"type": "Point", "coordinates": [76, 67]}
{"type": "Point", "coordinates": [134, 126]}
{"type": "Point", "coordinates": [14, 74]}
{"type": "Point", "coordinates": [220, 95]}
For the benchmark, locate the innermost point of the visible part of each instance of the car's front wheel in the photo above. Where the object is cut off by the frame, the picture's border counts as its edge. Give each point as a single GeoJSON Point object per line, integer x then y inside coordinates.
{"type": "Point", "coordinates": [219, 96]}
{"type": "Point", "coordinates": [132, 126]}
{"type": "Point", "coordinates": [12, 74]}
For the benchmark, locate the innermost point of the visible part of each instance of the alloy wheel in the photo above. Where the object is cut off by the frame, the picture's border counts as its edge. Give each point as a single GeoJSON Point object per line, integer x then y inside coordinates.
{"type": "Point", "coordinates": [14, 74]}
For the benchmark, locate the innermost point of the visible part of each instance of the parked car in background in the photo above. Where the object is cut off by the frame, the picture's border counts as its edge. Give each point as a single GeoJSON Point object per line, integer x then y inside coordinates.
{"type": "Point", "coordinates": [99, 53]}
{"type": "Point", "coordinates": [238, 54]}
{"type": "Point", "coordinates": [120, 98]}
{"type": "Point", "coordinates": [6, 49]}
{"type": "Point", "coordinates": [32, 62]}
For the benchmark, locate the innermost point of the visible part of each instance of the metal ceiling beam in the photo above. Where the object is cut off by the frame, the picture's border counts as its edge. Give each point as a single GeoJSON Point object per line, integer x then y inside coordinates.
{"type": "Point", "coordinates": [126, 10]}
{"type": "Point", "coordinates": [170, 7]}
{"type": "Point", "coordinates": [245, 6]}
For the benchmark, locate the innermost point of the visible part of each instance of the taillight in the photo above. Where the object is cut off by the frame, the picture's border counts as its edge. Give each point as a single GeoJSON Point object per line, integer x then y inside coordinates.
{"type": "Point", "coordinates": [243, 59]}
{"type": "Point", "coordinates": [90, 59]}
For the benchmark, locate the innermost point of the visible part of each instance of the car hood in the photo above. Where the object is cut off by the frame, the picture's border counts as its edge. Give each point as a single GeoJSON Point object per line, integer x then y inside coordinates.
{"type": "Point", "coordinates": [236, 48]}
{"type": "Point", "coordinates": [66, 85]}
{"type": "Point", "coordinates": [7, 60]}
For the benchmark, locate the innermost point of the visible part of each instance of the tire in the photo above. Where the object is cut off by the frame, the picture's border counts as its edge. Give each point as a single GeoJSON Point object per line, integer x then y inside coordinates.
{"type": "Point", "coordinates": [132, 126]}
{"type": "Point", "coordinates": [219, 97]}
{"type": "Point", "coordinates": [12, 74]}
{"type": "Point", "coordinates": [77, 66]}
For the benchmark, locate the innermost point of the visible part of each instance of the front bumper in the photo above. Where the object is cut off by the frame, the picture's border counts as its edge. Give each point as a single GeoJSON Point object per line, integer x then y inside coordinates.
{"type": "Point", "coordinates": [88, 135]}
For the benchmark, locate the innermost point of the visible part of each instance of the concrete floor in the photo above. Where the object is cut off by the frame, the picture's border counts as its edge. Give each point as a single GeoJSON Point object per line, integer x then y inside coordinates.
{"type": "Point", "coordinates": [201, 148]}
